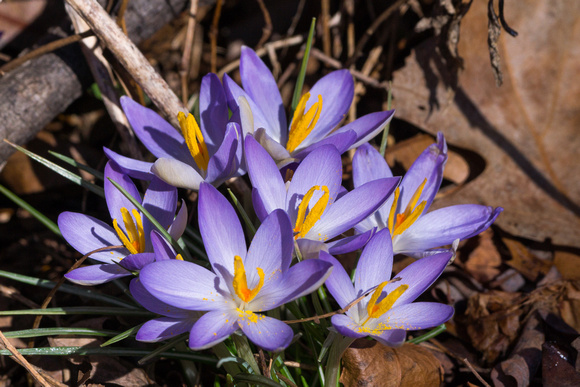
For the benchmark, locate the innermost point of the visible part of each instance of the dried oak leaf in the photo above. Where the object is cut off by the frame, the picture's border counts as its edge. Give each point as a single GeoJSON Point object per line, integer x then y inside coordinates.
{"type": "Point", "coordinates": [483, 263]}
{"type": "Point", "coordinates": [369, 363]}
{"type": "Point", "coordinates": [556, 369]}
{"type": "Point", "coordinates": [525, 262]}
{"type": "Point", "coordinates": [527, 130]}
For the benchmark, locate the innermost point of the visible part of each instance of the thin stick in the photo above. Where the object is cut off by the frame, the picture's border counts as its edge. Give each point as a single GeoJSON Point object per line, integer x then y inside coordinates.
{"type": "Point", "coordinates": [121, 16]}
{"type": "Point", "coordinates": [130, 57]}
{"type": "Point", "coordinates": [213, 32]}
{"type": "Point", "coordinates": [187, 49]}
{"type": "Point", "coordinates": [325, 14]}
{"type": "Point", "coordinates": [477, 375]}
{"type": "Point", "coordinates": [43, 50]}
{"type": "Point", "coordinates": [267, 30]}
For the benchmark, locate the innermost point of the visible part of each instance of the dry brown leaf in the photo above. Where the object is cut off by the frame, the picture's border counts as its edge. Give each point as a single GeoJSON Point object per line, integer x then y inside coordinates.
{"type": "Point", "coordinates": [570, 305]}
{"type": "Point", "coordinates": [526, 130]}
{"type": "Point", "coordinates": [524, 262]}
{"type": "Point", "coordinates": [369, 363]}
{"type": "Point", "coordinates": [556, 369]}
{"type": "Point", "coordinates": [568, 265]}
{"type": "Point", "coordinates": [483, 263]}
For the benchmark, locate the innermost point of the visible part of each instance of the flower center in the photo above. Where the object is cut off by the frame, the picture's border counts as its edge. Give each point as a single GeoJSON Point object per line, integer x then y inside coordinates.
{"type": "Point", "coordinates": [302, 124]}
{"type": "Point", "coordinates": [375, 310]}
{"type": "Point", "coordinates": [134, 240]}
{"type": "Point", "coordinates": [194, 140]}
{"type": "Point", "coordinates": [400, 222]}
{"type": "Point", "coordinates": [305, 222]}
{"type": "Point", "coordinates": [241, 284]}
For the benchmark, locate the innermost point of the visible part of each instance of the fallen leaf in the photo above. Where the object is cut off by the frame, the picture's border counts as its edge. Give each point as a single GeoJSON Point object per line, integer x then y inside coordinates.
{"type": "Point", "coordinates": [369, 363]}
{"type": "Point", "coordinates": [568, 265]}
{"type": "Point", "coordinates": [526, 130]}
{"type": "Point", "coordinates": [524, 262]}
{"type": "Point", "coordinates": [557, 371]}
{"type": "Point", "coordinates": [484, 261]}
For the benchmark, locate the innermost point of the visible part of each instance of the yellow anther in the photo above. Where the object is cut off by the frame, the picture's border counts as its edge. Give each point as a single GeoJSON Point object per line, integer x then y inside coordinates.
{"type": "Point", "coordinates": [305, 222]}
{"type": "Point", "coordinates": [302, 124]}
{"type": "Point", "coordinates": [134, 240]}
{"type": "Point", "coordinates": [393, 212]}
{"type": "Point", "coordinates": [240, 282]}
{"type": "Point", "coordinates": [194, 140]}
{"type": "Point", "coordinates": [398, 223]}
{"type": "Point", "coordinates": [375, 310]}
{"type": "Point", "coordinates": [179, 257]}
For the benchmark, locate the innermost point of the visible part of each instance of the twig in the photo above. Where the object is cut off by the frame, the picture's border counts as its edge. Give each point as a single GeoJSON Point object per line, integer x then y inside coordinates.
{"type": "Point", "coordinates": [130, 57]}
{"type": "Point", "coordinates": [213, 32]}
{"type": "Point", "coordinates": [267, 30]}
{"type": "Point", "coordinates": [371, 30]}
{"type": "Point", "coordinates": [295, 364]}
{"type": "Point", "coordinates": [325, 15]}
{"type": "Point", "coordinates": [43, 50]}
{"type": "Point", "coordinates": [187, 49]}
{"type": "Point", "coordinates": [477, 375]}
{"type": "Point", "coordinates": [121, 16]}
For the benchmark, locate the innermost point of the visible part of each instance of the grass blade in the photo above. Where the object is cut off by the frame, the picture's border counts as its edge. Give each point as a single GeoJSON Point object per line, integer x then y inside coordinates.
{"type": "Point", "coordinates": [75, 310]}
{"type": "Point", "coordinates": [122, 336]}
{"type": "Point", "coordinates": [41, 332]}
{"type": "Point", "coordinates": [302, 73]}
{"type": "Point", "coordinates": [429, 335]}
{"type": "Point", "coordinates": [74, 163]}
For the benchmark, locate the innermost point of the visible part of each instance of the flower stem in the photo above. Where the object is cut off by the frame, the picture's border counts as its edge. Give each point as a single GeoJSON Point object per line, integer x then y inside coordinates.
{"type": "Point", "coordinates": [337, 349]}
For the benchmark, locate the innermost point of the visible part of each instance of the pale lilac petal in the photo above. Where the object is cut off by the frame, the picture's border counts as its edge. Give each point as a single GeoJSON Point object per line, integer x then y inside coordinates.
{"type": "Point", "coordinates": [368, 126]}
{"type": "Point", "coordinates": [301, 279]}
{"type": "Point", "coordinates": [322, 167]}
{"type": "Point", "coordinates": [158, 135]}
{"type": "Point", "coordinates": [152, 304]}
{"type": "Point", "coordinates": [115, 199]}
{"type": "Point", "coordinates": [443, 226]}
{"type": "Point", "coordinates": [346, 326]}
{"type": "Point", "coordinates": [375, 263]}
{"type": "Point", "coordinates": [368, 165]}
{"type": "Point", "coordinates": [259, 206]}
{"type": "Point", "coordinates": [160, 201]}
{"type": "Point", "coordinates": [348, 244]}
{"type": "Point", "coordinates": [338, 283]}
{"type": "Point", "coordinates": [429, 165]}
{"type": "Point", "coordinates": [184, 285]}
{"type": "Point", "coordinates": [213, 110]}
{"type": "Point", "coordinates": [212, 328]}
{"type": "Point", "coordinates": [261, 86]}
{"type": "Point", "coordinates": [341, 141]}
{"type": "Point", "coordinates": [392, 337]}
{"type": "Point", "coordinates": [271, 248]}
{"type": "Point", "coordinates": [135, 262]}
{"type": "Point", "coordinates": [162, 328]}
{"type": "Point", "coordinates": [136, 169]}
{"type": "Point", "coordinates": [96, 274]}
{"type": "Point", "coordinates": [337, 91]}
{"type": "Point", "coordinates": [177, 174]}
{"type": "Point", "coordinates": [352, 208]}
{"type": "Point", "coordinates": [273, 147]}
{"type": "Point", "coordinates": [162, 248]}
{"type": "Point", "coordinates": [179, 223]}
{"type": "Point", "coordinates": [416, 316]}
{"type": "Point", "coordinates": [220, 229]}
{"type": "Point", "coordinates": [310, 249]}
{"type": "Point", "coordinates": [264, 175]}
{"type": "Point", "coordinates": [267, 332]}
{"type": "Point", "coordinates": [85, 234]}
{"type": "Point", "coordinates": [226, 161]}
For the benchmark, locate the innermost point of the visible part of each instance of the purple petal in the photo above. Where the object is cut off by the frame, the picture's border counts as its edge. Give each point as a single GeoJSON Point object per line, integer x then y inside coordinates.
{"type": "Point", "coordinates": [96, 274]}
{"type": "Point", "coordinates": [416, 316]}
{"type": "Point", "coordinates": [226, 161]}
{"type": "Point", "coordinates": [348, 244]}
{"type": "Point", "coordinates": [163, 250]}
{"type": "Point", "coordinates": [375, 263]}
{"type": "Point", "coordinates": [368, 126]}
{"type": "Point", "coordinates": [267, 332]}
{"type": "Point", "coordinates": [177, 173]}
{"type": "Point", "coordinates": [341, 141]}
{"type": "Point", "coordinates": [392, 337]}
{"type": "Point", "coordinates": [179, 223]}
{"type": "Point", "coordinates": [273, 147]}
{"type": "Point", "coordinates": [337, 91]}
{"type": "Point", "coordinates": [352, 208]}
{"type": "Point", "coordinates": [346, 326]}
{"type": "Point", "coordinates": [338, 283]}
{"type": "Point", "coordinates": [259, 207]}
{"type": "Point", "coordinates": [322, 167]}
{"type": "Point", "coordinates": [136, 262]}
{"type": "Point", "coordinates": [213, 109]}
{"type": "Point", "coordinates": [152, 304]}
{"type": "Point", "coordinates": [212, 328]}
{"type": "Point", "coordinates": [163, 328]}
{"type": "Point", "coordinates": [260, 85]}
{"type": "Point", "coordinates": [220, 229]}
{"type": "Point", "coordinates": [368, 165]}
{"type": "Point", "coordinates": [136, 169]}
{"type": "Point", "coordinates": [160, 201]}
{"type": "Point", "coordinates": [115, 199]}
{"type": "Point", "coordinates": [85, 234]}
{"type": "Point", "coordinates": [301, 279]}
{"type": "Point", "coordinates": [264, 175]}
{"type": "Point", "coordinates": [162, 139]}
{"type": "Point", "coordinates": [184, 285]}
{"type": "Point", "coordinates": [310, 249]}
{"type": "Point", "coordinates": [443, 226]}
{"type": "Point", "coordinates": [271, 248]}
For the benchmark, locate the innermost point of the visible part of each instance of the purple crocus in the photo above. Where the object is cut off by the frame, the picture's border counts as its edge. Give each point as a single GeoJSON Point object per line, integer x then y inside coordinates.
{"type": "Point", "coordinates": [388, 312]}
{"type": "Point", "coordinates": [244, 282]}
{"type": "Point", "coordinates": [208, 152]}
{"type": "Point", "coordinates": [414, 231]}
{"type": "Point", "coordinates": [318, 206]}
{"type": "Point", "coordinates": [317, 114]}
{"type": "Point", "coordinates": [130, 229]}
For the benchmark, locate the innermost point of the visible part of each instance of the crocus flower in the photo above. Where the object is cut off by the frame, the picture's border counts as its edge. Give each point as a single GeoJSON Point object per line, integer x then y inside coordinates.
{"type": "Point", "coordinates": [388, 311]}
{"type": "Point", "coordinates": [316, 116]}
{"type": "Point", "coordinates": [244, 282]}
{"type": "Point", "coordinates": [130, 228]}
{"type": "Point", "coordinates": [414, 231]}
{"type": "Point", "coordinates": [208, 152]}
{"type": "Point", "coordinates": [314, 198]}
